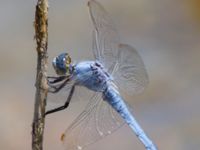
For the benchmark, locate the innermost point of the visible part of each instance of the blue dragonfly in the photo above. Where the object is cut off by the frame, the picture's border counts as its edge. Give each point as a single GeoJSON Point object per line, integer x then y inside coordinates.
{"type": "Point", "coordinates": [117, 69]}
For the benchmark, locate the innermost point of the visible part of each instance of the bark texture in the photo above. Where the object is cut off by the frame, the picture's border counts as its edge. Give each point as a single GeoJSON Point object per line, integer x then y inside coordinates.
{"type": "Point", "coordinates": [41, 36]}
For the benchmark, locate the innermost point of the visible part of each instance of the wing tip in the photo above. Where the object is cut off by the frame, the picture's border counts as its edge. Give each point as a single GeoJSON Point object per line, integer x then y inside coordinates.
{"type": "Point", "coordinates": [121, 45]}
{"type": "Point", "coordinates": [89, 2]}
{"type": "Point", "coordinates": [62, 137]}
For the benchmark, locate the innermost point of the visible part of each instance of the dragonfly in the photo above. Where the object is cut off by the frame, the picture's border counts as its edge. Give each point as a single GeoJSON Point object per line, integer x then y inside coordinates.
{"type": "Point", "coordinates": [117, 68]}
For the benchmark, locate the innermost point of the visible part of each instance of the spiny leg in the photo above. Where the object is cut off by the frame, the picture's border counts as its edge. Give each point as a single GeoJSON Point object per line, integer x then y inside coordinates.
{"type": "Point", "coordinates": [55, 79]}
{"type": "Point", "coordinates": [58, 87]}
{"type": "Point", "coordinates": [65, 105]}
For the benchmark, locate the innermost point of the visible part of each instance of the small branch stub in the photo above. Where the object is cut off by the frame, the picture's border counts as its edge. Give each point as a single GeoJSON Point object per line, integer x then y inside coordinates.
{"type": "Point", "coordinates": [41, 36]}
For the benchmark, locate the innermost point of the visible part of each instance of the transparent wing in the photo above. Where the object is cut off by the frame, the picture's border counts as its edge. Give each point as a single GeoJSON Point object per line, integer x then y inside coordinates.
{"type": "Point", "coordinates": [95, 122]}
{"type": "Point", "coordinates": [130, 73]}
{"type": "Point", "coordinates": [105, 36]}
{"type": "Point", "coordinates": [129, 70]}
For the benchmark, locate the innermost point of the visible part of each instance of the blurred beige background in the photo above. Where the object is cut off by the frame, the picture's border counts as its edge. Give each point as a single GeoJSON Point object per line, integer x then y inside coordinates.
{"type": "Point", "coordinates": [167, 36]}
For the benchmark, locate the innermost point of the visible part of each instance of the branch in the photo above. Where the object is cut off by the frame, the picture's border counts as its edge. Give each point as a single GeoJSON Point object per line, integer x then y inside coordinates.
{"type": "Point", "coordinates": [41, 36]}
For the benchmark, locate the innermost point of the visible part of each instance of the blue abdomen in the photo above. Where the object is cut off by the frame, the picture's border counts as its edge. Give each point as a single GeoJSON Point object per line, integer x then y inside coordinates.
{"type": "Point", "coordinates": [112, 96]}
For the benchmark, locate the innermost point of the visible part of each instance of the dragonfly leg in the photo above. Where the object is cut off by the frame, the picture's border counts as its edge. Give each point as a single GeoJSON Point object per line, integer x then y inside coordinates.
{"type": "Point", "coordinates": [55, 79]}
{"type": "Point", "coordinates": [58, 87]}
{"type": "Point", "coordinates": [65, 105]}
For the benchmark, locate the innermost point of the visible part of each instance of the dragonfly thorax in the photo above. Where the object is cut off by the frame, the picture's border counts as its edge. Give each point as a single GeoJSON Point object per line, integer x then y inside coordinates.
{"type": "Point", "coordinates": [92, 75]}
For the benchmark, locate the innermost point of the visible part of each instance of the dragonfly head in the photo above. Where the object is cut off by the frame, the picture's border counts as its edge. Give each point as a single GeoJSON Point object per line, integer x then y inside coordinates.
{"type": "Point", "coordinates": [62, 64]}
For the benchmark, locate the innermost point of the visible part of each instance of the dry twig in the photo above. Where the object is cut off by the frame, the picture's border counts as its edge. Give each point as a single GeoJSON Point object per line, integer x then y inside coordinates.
{"type": "Point", "coordinates": [41, 36]}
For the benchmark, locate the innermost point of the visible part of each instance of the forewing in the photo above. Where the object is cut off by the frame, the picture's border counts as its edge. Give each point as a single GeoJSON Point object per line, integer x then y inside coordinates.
{"type": "Point", "coordinates": [130, 73]}
{"type": "Point", "coordinates": [105, 36]}
{"type": "Point", "coordinates": [95, 122]}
